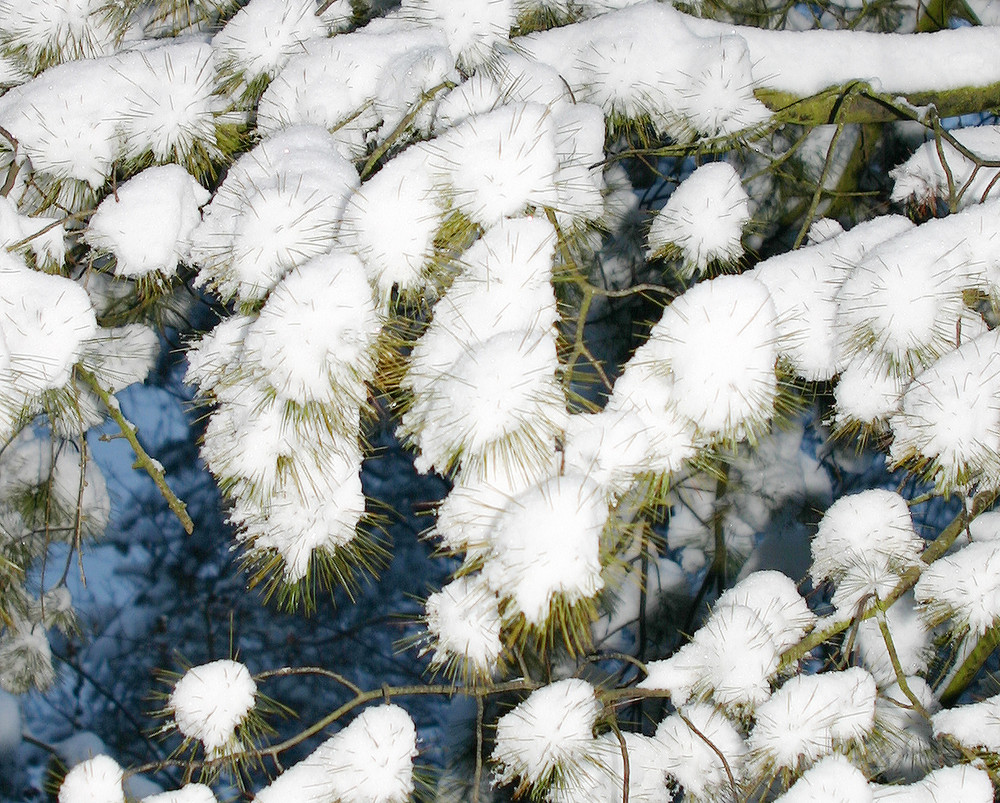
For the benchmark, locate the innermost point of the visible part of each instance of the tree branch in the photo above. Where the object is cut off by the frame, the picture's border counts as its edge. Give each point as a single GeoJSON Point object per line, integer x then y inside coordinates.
{"type": "Point", "coordinates": [142, 457]}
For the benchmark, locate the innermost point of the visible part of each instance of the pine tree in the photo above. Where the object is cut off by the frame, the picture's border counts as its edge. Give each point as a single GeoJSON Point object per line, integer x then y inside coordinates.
{"type": "Point", "coordinates": [605, 267]}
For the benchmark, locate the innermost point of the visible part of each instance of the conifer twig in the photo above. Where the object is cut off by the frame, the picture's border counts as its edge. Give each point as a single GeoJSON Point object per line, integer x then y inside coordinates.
{"type": "Point", "coordinates": [142, 457]}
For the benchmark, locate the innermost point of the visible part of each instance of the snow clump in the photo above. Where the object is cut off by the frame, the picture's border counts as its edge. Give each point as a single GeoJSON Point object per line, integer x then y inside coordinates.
{"type": "Point", "coordinates": [864, 543]}
{"type": "Point", "coordinates": [810, 715]}
{"type": "Point", "coordinates": [832, 779]}
{"type": "Point", "coordinates": [949, 420]}
{"type": "Point", "coordinates": [263, 35]}
{"type": "Point", "coordinates": [189, 793]}
{"type": "Point", "coordinates": [716, 345]}
{"type": "Point", "coordinates": [463, 620]}
{"type": "Point", "coordinates": [369, 761]}
{"type": "Point", "coordinates": [689, 757]}
{"type": "Point", "coordinates": [964, 586]}
{"type": "Point", "coordinates": [703, 220]}
{"type": "Point", "coordinates": [147, 223]}
{"type": "Point", "coordinates": [551, 730]}
{"type": "Point", "coordinates": [211, 701]}
{"type": "Point", "coordinates": [545, 544]}
{"type": "Point", "coordinates": [279, 206]}
{"type": "Point", "coordinates": [96, 779]}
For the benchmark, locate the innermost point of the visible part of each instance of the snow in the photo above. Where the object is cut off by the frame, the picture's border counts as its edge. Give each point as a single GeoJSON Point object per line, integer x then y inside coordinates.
{"type": "Point", "coordinates": [629, 63]}
{"type": "Point", "coordinates": [961, 782]}
{"type": "Point", "coordinates": [474, 28]}
{"type": "Point", "coordinates": [369, 761]}
{"type": "Point", "coordinates": [314, 339]}
{"type": "Point", "coordinates": [170, 106]}
{"type": "Point", "coordinates": [189, 793]}
{"type": "Point", "coordinates": [974, 725]}
{"type": "Point", "coordinates": [864, 542]}
{"type": "Point", "coordinates": [496, 164]}
{"type": "Point", "coordinates": [910, 639]}
{"type": "Point", "coordinates": [309, 509]}
{"type": "Point", "coordinates": [690, 759]}
{"type": "Point", "coordinates": [499, 400]}
{"type": "Point", "coordinates": [10, 725]}
{"type": "Point", "coordinates": [807, 62]}
{"type": "Point", "coordinates": [833, 779]}
{"type": "Point", "coordinates": [391, 221]}
{"type": "Point", "coordinates": [122, 355]}
{"type": "Point", "coordinates": [964, 585]}
{"type": "Point", "coordinates": [811, 714]}
{"type": "Point", "coordinates": [335, 83]}
{"type": "Point", "coordinates": [215, 357]}
{"type": "Point", "coordinates": [804, 284]}
{"type": "Point", "coordinates": [45, 322]}
{"type": "Point", "coordinates": [545, 543]}
{"type": "Point", "coordinates": [603, 777]}
{"type": "Point", "coordinates": [463, 619]}
{"type": "Point", "coordinates": [552, 730]}
{"type": "Point", "coordinates": [96, 780]}
{"type": "Point", "coordinates": [717, 345]}
{"type": "Point", "coordinates": [261, 37]}
{"type": "Point", "coordinates": [279, 206]}
{"type": "Point", "coordinates": [49, 247]}
{"type": "Point", "coordinates": [466, 515]}
{"type": "Point", "coordinates": [211, 701]}
{"type": "Point", "coordinates": [645, 400]}
{"type": "Point", "coordinates": [703, 219]}
{"type": "Point", "coordinates": [732, 658]}
{"type": "Point", "coordinates": [949, 419]}
{"type": "Point", "coordinates": [147, 223]}
{"type": "Point", "coordinates": [774, 599]}
{"type": "Point", "coordinates": [74, 120]}
{"type": "Point", "coordinates": [922, 178]}
{"type": "Point", "coordinates": [904, 300]}
{"type": "Point", "coordinates": [64, 30]}
{"type": "Point", "coordinates": [866, 392]}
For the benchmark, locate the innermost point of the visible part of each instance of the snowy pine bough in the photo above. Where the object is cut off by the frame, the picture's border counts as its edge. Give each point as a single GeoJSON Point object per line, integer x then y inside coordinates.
{"type": "Point", "coordinates": [425, 214]}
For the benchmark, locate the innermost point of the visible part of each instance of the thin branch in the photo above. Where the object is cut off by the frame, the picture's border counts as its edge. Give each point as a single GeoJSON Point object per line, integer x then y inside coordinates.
{"type": "Point", "coordinates": [287, 671]}
{"type": "Point", "coordinates": [625, 766]}
{"type": "Point", "coordinates": [400, 129]}
{"type": "Point", "coordinates": [716, 750]}
{"type": "Point", "coordinates": [143, 460]}
{"type": "Point", "coordinates": [897, 667]}
{"type": "Point", "coordinates": [970, 667]}
{"type": "Point", "coordinates": [477, 777]}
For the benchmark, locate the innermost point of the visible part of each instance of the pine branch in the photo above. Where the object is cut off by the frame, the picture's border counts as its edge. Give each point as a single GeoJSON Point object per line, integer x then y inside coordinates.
{"type": "Point", "coordinates": [142, 460]}
{"type": "Point", "coordinates": [936, 549]}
